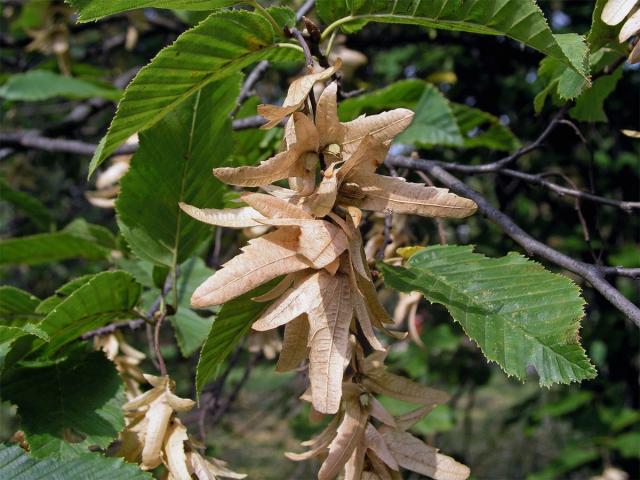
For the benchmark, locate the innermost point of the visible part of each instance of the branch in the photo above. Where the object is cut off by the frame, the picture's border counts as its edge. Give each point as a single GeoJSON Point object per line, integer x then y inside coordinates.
{"type": "Point", "coordinates": [572, 192]}
{"type": "Point", "coordinates": [591, 273]}
{"type": "Point", "coordinates": [133, 324]}
{"type": "Point", "coordinates": [33, 139]}
{"type": "Point", "coordinates": [249, 83]}
{"type": "Point", "coordinates": [503, 162]}
{"type": "Point", "coordinates": [621, 271]}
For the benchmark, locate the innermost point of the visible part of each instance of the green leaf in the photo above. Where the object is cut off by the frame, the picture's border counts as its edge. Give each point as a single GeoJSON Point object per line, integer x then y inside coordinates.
{"type": "Point", "coordinates": [562, 83]}
{"type": "Point", "coordinates": [105, 297]}
{"type": "Point", "coordinates": [589, 105]}
{"type": "Point", "coordinates": [569, 458]}
{"type": "Point", "coordinates": [15, 464]}
{"type": "Point", "coordinates": [61, 294]}
{"type": "Point", "coordinates": [96, 9]}
{"type": "Point", "coordinates": [568, 403]}
{"type": "Point", "coordinates": [401, 94]}
{"type": "Point", "coordinates": [69, 406]}
{"type": "Point", "coordinates": [434, 123]}
{"type": "Point", "coordinates": [600, 33]}
{"type": "Point", "coordinates": [16, 304]}
{"type": "Point", "coordinates": [481, 129]}
{"type": "Point", "coordinates": [628, 444]}
{"type": "Point", "coordinates": [231, 324]}
{"type": "Point", "coordinates": [35, 210]}
{"type": "Point", "coordinates": [517, 312]}
{"type": "Point", "coordinates": [37, 85]}
{"type": "Point", "coordinates": [190, 328]}
{"type": "Point", "coordinates": [521, 20]}
{"type": "Point", "coordinates": [224, 43]}
{"type": "Point", "coordinates": [17, 314]}
{"type": "Point", "coordinates": [172, 165]}
{"type": "Point", "coordinates": [79, 239]}
{"type": "Point", "coordinates": [437, 121]}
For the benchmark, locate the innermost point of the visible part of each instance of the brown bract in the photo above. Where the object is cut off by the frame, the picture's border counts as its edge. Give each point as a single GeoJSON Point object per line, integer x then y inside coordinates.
{"type": "Point", "coordinates": [296, 96]}
{"type": "Point", "coordinates": [365, 441]}
{"type": "Point", "coordinates": [154, 435]}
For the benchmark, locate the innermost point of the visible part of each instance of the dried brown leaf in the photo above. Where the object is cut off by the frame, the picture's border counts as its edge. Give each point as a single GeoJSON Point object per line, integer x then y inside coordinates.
{"type": "Point", "coordinates": [614, 11]}
{"type": "Point", "coordinates": [157, 417]}
{"type": "Point", "coordinates": [401, 388]}
{"type": "Point", "coordinates": [175, 457]}
{"type": "Point", "coordinates": [209, 468]}
{"type": "Point", "coordinates": [263, 259]}
{"type": "Point", "coordinates": [377, 411]}
{"type": "Point", "coordinates": [354, 466]}
{"type": "Point", "coordinates": [320, 242]}
{"type": "Point", "coordinates": [296, 96]}
{"type": "Point", "coordinates": [630, 27]}
{"type": "Point", "coordinates": [363, 315]}
{"type": "Point", "coordinates": [369, 155]}
{"type": "Point", "coordinates": [374, 441]}
{"type": "Point", "coordinates": [229, 217]}
{"type": "Point", "coordinates": [329, 324]}
{"type": "Point", "coordinates": [294, 345]}
{"type": "Point", "coordinates": [329, 127]}
{"type": "Point", "coordinates": [409, 419]}
{"type": "Point", "coordinates": [383, 126]}
{"type": "Point", "coordinates": [281, 287]}
{"type": "Point", "coordinates": [413, 454]}
{"type": "Point", "coordinates": [394, 194]}
{"type": "Point", "coordinates": [321, 202]}
{"type": "Point", "coordinates": [306, 182]}
{"type": "Point", "coordinates": [302, 297]}
{"type": "Point", "coordinates": [283, 165]}
{"type": "Point", "coordinates": [349, 435]}
{"type": "Point", "coordinates": [273, 207]}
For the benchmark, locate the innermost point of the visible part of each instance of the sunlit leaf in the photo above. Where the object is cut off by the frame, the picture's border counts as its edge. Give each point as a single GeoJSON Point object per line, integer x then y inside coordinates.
{"type": "Point", "coordinates": [174, 158]}
{"type": "Point", "coordinates": [519, 313]}
{"type": "Point", "coordinates": [224, 43]}
{"type": "Point", "coordinates": [95, 9]}
{"type": "Point", "coordinates": [521, 20]}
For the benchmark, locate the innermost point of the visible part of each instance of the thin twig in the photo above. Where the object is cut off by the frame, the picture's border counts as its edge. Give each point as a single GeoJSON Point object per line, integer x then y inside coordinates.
{"type": "Point", "coordinates": [503, 162]}
{"type": "Point", "coordinates": [156, 343]}
{"type": "Point", "coordinates": [295, 33]}
{"type": "Point", "coordinates": [591, 273]}
{"type": "Point", "coordinates": [222, 410]}
{"type": "Point", "coordinates": [247, 87]}
{"type": "Point", "coordinates": [572, 192]}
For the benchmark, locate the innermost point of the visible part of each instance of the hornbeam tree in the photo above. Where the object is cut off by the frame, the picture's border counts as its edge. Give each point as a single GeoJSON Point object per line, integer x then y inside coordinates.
{"type": "Point", "coordinates": [320, 200]}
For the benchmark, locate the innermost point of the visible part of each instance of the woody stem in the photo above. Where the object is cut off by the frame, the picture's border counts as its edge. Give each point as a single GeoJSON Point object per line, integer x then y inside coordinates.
{"type": "Point", "coordinates": [297, 34]}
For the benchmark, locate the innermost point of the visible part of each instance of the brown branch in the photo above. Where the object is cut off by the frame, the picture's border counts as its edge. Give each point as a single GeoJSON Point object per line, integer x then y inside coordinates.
{"type": "Point", "coordinates": [591, 273]}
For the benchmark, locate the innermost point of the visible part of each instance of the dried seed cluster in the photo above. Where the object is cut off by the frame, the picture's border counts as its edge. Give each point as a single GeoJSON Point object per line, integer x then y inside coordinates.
{"type": "Point", "coordinates": [326, 298]}
{"type": "Point", "coordinates": [154, 436]}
